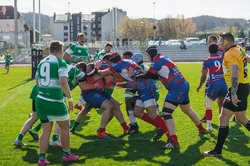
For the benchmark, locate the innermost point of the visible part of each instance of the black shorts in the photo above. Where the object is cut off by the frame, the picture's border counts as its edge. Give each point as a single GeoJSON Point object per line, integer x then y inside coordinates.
{"type": "Point", "coordinates": [33, 105]}
{"type": "Point", "coordinates": [242, 94]}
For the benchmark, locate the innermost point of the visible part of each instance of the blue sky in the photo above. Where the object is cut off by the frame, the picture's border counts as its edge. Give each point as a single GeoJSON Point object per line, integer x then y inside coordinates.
{"type": "Point", "coordinates": [143, 8]}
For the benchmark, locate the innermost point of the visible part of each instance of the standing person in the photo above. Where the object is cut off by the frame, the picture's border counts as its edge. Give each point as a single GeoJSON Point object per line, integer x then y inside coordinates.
{"type": "Point", "coordinates": [212, 39]}
{"type": "Point", "coordinates": [178, 88]}
{"type": "Point", "coordinates": [52, 84]}
{"type": "Point", "coordinates": [77, 52]}
{"type": "Point", "coordinates": [217, 87]}
{"type": "Point", "coordinates": [7, 58]}
{"type": "Point", "coordinates": [236, 76]}
{"type": "Point", "coordinates": [103, 52]}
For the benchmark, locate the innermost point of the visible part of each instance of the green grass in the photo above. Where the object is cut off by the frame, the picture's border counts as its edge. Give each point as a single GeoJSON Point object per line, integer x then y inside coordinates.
{"type": "Point", "coordinates": [136, 149]}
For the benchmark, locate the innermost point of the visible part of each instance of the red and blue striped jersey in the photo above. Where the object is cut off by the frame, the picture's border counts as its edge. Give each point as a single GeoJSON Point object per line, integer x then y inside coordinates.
{"type": "Point", "coordinates": [213, 63]}
{"type": "Point", "coordinates": [167, 71]}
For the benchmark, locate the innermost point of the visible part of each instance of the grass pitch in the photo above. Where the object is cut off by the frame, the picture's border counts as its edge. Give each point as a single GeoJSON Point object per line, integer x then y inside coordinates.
{"type": "Point", "coordinates": [136, 149]}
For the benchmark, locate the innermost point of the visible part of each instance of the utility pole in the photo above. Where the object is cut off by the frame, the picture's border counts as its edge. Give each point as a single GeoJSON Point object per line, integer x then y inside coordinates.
{"type": "Point", "coordinates": [15, 31]}
{"type": "Point", "coordinates": [39, 21]}
{"type": "Point", "coordinates": [34, 23]}
{"type": "Point", "coordinates": [154, 27]}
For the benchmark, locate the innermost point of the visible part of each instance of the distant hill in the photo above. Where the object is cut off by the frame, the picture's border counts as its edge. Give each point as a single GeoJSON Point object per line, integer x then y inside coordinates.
{"type": "Point", "coordinates": [209, 23]}
{"type": "Point", "coordinates": [45, 21]}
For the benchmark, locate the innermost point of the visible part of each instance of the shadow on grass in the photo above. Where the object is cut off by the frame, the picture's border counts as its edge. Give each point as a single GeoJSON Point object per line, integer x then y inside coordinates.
{"type": "Point", "coordinates": [24, 82]}
{"type": "Point", "coordinates": [83, 123]}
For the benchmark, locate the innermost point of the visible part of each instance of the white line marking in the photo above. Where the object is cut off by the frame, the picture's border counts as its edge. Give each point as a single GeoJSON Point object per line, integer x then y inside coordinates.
{"type": "Point", "coordinates": [12, 97]}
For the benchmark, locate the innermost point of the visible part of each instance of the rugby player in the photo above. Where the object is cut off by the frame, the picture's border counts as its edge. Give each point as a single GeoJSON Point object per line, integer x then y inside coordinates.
{"type": "Point", "coordinates": [50, 106]}
{"type": "Point", "coordinates": [7, 58]}
{"type": "Point", "coordinates": [217, 87]}
{"type": "Point", "coordinates": [178, 88]}
{"type": "Point", "coordinates": [236, 76]}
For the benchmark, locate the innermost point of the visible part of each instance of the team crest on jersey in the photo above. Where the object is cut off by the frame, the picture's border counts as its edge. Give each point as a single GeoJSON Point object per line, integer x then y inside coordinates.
{"type": "Point", "coordinates": [79, 51]}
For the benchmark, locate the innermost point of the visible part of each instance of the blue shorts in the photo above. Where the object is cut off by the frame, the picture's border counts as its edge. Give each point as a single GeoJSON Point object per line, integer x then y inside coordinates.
{"type": "Point", "coordinates": [146, 95]}
{"type": "Point", "coordinates": [95, 97]}
{"type": "Point", "coordinates": [178, 94]}
{"type": "Point", "coordinates": [217, 89]}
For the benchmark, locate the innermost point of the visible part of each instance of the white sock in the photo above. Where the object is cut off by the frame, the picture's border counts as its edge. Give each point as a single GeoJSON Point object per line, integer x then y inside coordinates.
{"type": "Point", "coordinates": [131, 117]}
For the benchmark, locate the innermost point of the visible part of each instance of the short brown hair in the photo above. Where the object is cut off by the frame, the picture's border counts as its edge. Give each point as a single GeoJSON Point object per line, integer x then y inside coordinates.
{"type": "Point", "coordinates": [80, 34]}
{"type": "Point", "coordinates": [56, 46]}
{"type": "Point", "coordinates": [108, 44]}
{"type": "Point", "coordinates": [82, 66]}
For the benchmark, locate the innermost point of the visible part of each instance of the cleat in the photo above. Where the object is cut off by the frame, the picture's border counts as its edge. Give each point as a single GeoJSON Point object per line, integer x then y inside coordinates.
{"type": "Point", "coordinates": [203, 120]}
{"type": "Point", "coordinates": [56, 143]}
{"type": "Point", "coordinates": [171, 145]}
{"type": "Point", "coordinates": [70, 158]}
{"type": "Point", "coordinates": [18, 143]}
{"type": "Point", "coordinates": [210, 129]}
{"type": "Point", "coordinates": [203, 132]}
{"type": "Point", "coordinates": [158, 135]}
{"type": "Point", "coordinates": [34, 135]}
{"type": "Point", "coordinates": [79, 107]}
{"type": "Point", "coordinates": [71, 131]}
{"type": "Point", "coordinates": [133, 128]}
{"type": "Point", "coordinates": [43, 162]}
{"type": "Point", "coordinates": [102, 135]}
{"type": "Point", "coordinates": [211, 153]}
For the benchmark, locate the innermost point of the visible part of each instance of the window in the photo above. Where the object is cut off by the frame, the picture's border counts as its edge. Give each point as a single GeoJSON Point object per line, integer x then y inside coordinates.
{"type": "Point", "coordinates": [65, 33]}
{"type": "Point", "coordinates": [65, 27]}
{"type": "Point", "coordinates": [85, 33]}
{"type": "Point", "coordinates": [85, 28]}
{"type": "Point", "coordinates": [65, 39]}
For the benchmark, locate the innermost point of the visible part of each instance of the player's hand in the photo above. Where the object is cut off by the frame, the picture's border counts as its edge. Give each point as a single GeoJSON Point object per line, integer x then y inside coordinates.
{"type": "Point", "coordinates": [70, 106]}
{"type": "Point", "coordinates": [131, 72]}
{"type": "Point", "coordinates": [235, 100]}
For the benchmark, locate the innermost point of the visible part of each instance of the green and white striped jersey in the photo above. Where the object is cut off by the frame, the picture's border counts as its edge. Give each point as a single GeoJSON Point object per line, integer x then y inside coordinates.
{"type": "Point", "coordinates": [74, 74]}
{"type": "Point", "coordinates": [77, 51]}
{"type": "Point", "coordinates": [48, 72]}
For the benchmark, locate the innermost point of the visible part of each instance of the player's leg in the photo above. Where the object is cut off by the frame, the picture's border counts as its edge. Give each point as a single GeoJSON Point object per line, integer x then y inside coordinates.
{"type": "Point", "coordinates": [108, 107]}
{"type": "Point", "coordinates": [83, 113]}
{"type": "Point", "coordinates": [242, 119]}
{"type": "Point", "coordinates": [44, 141]}
{"type": "Point", "coordinates": [119, 116]}
{"type": "Point", "coordinates": [27, 125]}
{"type": "Point", "coordinates": [222, 133]}
{"type": "Point", "coordinates": [65, 140]}
{"type": "Point", "coordinates": [55, 137]}
{"type": "Point", "coordinates": [209, 113]}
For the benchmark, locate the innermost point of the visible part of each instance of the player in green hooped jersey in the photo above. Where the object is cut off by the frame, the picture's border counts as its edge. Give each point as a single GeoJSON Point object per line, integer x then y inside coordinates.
{"type": "Point", "coordinates": [103, 52]}
{"type": "Point", "coordinates": [74, 75]}
{"type": "Point", "coordinates": [78, 51]}
{"type": "Point", "coordinates": [7, 58]}
{"type": "Point", "coordinates": [50, 106]}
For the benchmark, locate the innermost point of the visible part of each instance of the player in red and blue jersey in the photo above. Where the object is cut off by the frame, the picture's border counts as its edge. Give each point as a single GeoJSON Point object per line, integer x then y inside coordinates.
{"type": "Point", "coordinates": [217, 87]}
{"type": "Point", "coordinates": [212, 39]}
{"type": "Point", "coordinates": [146, 88]}
{"type": "Point", "coordinates": [178, 88]}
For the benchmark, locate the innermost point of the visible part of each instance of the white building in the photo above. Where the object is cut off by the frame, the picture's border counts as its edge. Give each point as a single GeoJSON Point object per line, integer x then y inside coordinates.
{"type": "Point", "coordinates": [66, 26]}
{"type": "Point", "coordinates": [110, 24]}
{"type": "Point", "coordinates": [7, 26]}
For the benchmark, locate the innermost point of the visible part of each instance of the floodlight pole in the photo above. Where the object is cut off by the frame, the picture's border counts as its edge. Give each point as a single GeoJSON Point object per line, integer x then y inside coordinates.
{"type": "Point", "coordinates": [15, 31]}
{"type": "Point", "coordinates": [154, 27]}
{"type": "Point", "coordinates": [34, 23]}
{"type": "Point", "coordinates": [39, 21]}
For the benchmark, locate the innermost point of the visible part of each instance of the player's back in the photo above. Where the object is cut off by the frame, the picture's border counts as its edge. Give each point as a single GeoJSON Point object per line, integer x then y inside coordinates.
{"type": "Point", "coordinates": [48, 72]}
{"type": "Point", "coordinates": [213, 63]}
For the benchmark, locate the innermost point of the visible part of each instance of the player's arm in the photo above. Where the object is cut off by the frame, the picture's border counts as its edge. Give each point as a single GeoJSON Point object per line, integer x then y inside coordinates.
{"type": "Point", "coordinates": [202, 79]}
{"type": "Point", "coordinates": [234, 81]}
{"type": "Point", "coordinates": [67, 57]}
{"type": "Point", "coordinates": [86, 85]}
{"type": "Point", "coordinates": [248, 58]}
{"type": "Point", "coordinates": [150, 74]}
{"type": "Point", "coordinates": [65, 87]}
{"type": "Point", "coordinates": [105, 72]}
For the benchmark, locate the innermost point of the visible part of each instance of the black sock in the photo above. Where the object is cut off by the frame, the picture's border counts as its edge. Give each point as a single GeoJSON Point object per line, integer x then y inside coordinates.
{"type": "Point", "coordinates": [222, 135]}
{"type": "Point", "coordinates": [248, 125]}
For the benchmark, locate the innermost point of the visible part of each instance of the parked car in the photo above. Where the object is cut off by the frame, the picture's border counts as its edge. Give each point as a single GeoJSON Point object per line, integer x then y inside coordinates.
{"type": "Point", "coordinates": [203, 42]}
{"type": "Point", "coordinates": [173, 42]}
{"type": "Point", "coordinates": [192, 41]}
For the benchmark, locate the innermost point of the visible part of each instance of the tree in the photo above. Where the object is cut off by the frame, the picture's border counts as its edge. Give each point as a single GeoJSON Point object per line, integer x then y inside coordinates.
{"type": "Point", "coordinates": [136, 29]}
